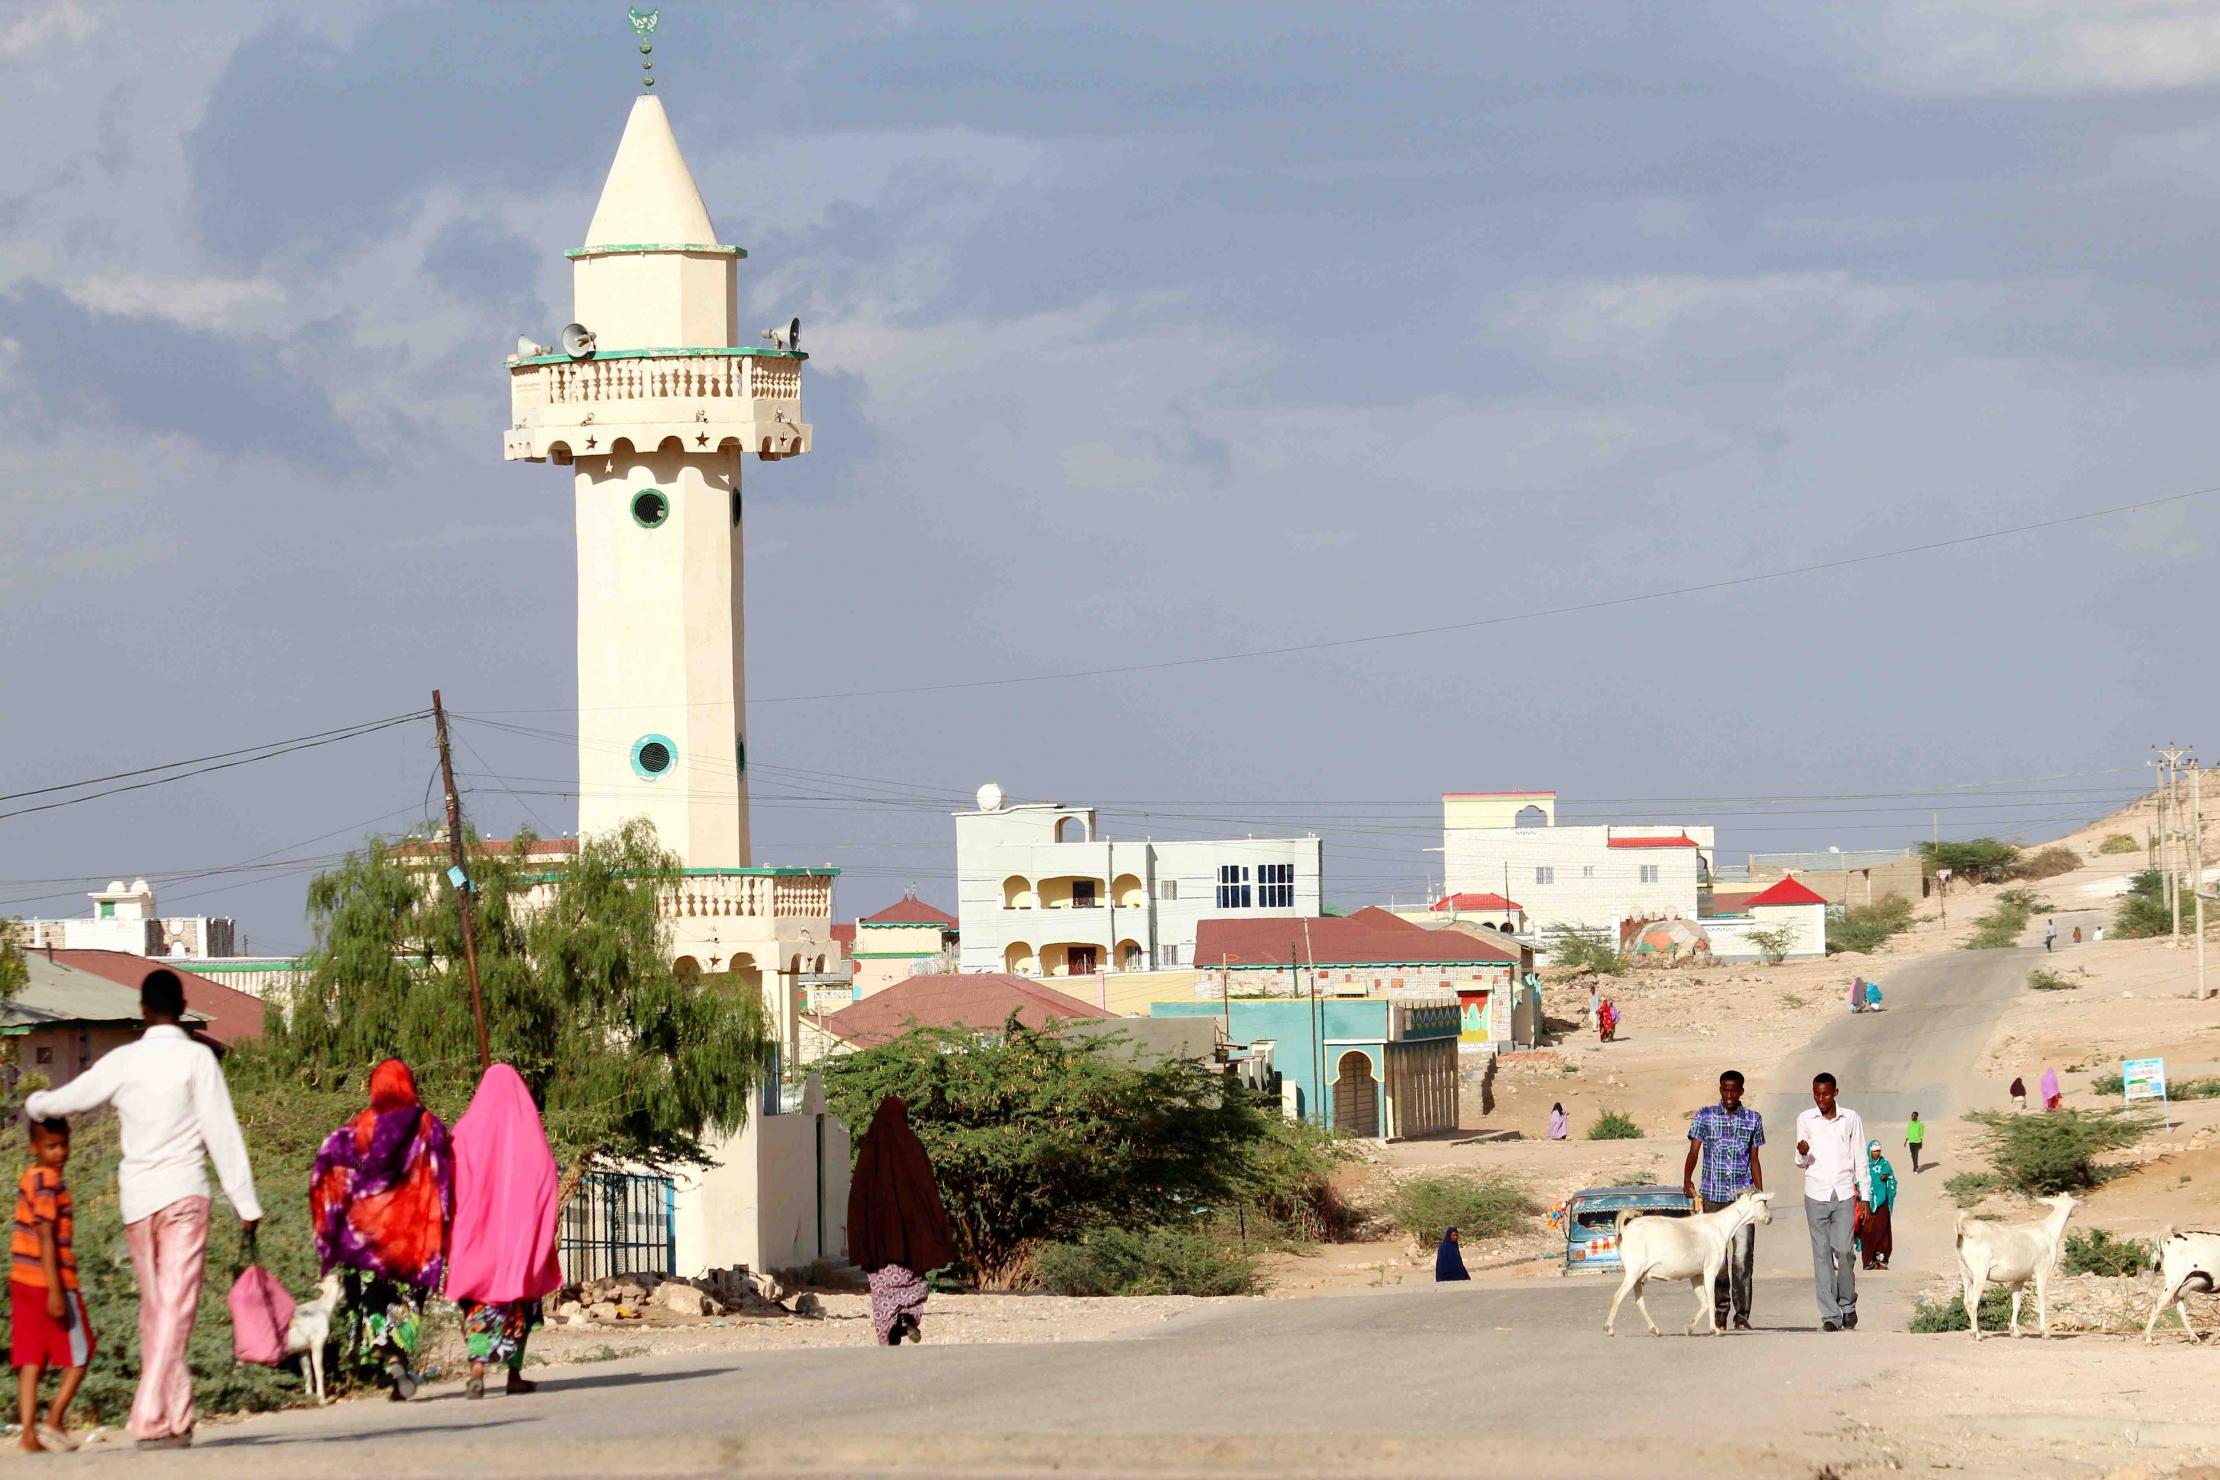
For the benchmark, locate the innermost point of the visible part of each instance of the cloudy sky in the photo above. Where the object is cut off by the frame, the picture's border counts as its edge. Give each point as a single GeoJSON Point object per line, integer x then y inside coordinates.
{"type": "Point", "coordinates": [1140, 334]}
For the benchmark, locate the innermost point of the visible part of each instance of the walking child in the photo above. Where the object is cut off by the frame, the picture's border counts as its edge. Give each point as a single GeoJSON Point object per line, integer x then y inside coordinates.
{"type": "Point", "coordinates": [48, 1326]}
{"type": "Point", "coordinates": [1915, 1138]}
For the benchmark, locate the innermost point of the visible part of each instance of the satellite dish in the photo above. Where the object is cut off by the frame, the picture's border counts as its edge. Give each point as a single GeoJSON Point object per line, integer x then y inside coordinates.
{"type": "Point", "coordinates": [528, 348]}
{"type": "Point", "coordinates": [578, 341]}
{"type": "Point", "coordinates": [991, 798]}
{"type": "Point", "coordinates": [785, 336]}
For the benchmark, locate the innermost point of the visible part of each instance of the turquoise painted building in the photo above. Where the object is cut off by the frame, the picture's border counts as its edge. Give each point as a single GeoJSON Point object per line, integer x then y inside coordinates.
{"type": "Point", "coordinates": [1383, 1070]}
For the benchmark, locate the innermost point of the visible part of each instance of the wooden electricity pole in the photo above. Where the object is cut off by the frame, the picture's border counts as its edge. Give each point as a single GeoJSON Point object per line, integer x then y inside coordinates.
{"type": "Point", "coordinates": [460, 877]}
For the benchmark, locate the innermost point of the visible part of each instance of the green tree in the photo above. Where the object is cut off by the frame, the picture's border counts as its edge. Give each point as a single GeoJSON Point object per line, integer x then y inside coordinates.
{"type": "Point", "coordinates": [1974, 860]}
{"type": "Point", "coordinates": [1038, 1137]}
{"type": "Point", "coordinates": [627, 1059]}
{"type": "Point", "coordinates": [1773, 945]}
{"type": "Point", "coordinates": [14, 973]}
{"type": "Point", "coordinates": [2142, 910]}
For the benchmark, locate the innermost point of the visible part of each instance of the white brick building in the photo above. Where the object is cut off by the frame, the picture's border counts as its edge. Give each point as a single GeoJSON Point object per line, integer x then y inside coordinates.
{"type": "Point", "coordinates": [1590, 878]}
{"type": "Point", "coordinates": [1041, 892]}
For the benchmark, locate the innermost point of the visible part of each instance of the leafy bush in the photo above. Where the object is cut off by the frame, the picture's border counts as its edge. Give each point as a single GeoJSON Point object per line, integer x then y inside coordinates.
{"type": "Point", "coordinates": [2054, 1152]}
{"type": "Point", "coordinates": [1149, 1261]}
{"type": "Point", "coordinates": [1039, 1137]}
{"type": "Point", "coordinates": [1968, 1188]}
{"type": "Point", "coordinates": [1585, 951]}
{"type": "Point", "coordinates": [2003, 925]}
{"type": "Point", "coordinates": [1477, 1207]}
{"type": "Point", "coordinates": [2043, 979]}
{"type": "Point", "coordinates": [2108, 1083]}
{"type": "Point", "coordinates": [1864, 928]}
{"type": "Point", "coordinates": [1285, 1189]}
{"type": "Point", "coordinates": [1772, 945]}
{"type": "Point", "coordinates": [1613, 1125]}
{"type": "Point", "coordinates": [1931, 1316]}
{"type": "Point", "coordinates": [2142, 911]}
{"type": "Point", "coordinates": [2047, 863]}
{"type": "Point", "coordinates": [1976, 860]}
{"type": "Point", "coordinates": [2099, 1251]}
{"type": "Point", "coordinates": [2119, 843]}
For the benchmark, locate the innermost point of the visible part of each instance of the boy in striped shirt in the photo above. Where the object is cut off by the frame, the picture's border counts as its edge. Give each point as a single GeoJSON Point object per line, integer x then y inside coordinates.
{"type": "Point", "coordinates": [48, 1326]}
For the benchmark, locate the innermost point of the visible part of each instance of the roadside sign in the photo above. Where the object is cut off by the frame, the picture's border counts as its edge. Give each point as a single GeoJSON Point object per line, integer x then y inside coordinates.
{"type": "Point", "coordinates": [2145, 1079]}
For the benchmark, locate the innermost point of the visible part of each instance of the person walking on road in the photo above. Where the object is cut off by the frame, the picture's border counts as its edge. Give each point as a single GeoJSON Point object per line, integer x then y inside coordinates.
{"type": "Point", "coordinates": [1876, 1240]}
{"type": "Point", "coordinates": [1830, 1147]}
{"type": "Point", "coordinates": [1449, 1260]}
{"type": "Point", "coordinates": [898, 1227]}
{"type": "Point", "coordinates": [501, 1259]}
{"type": "Point", "coordinates": [1595, 1005]}
{"type": "Point", "coordinates": [381, 1198]}
{"type": "Point", "coordinates": [1729, 1135]}
{"type": "Point", "coordinates": [176, 1116]}
{"type": "Point", "coordinates": [2018, 1092]}
{"type": "Point", "coordinates": [2053, 1097]}
{"type": "Point", "coordinates": [1915, 1139]}
{"type": "Point", "coordinates": [2050, 934]}
{"type": "Point", "coordinates": [1857, 994]}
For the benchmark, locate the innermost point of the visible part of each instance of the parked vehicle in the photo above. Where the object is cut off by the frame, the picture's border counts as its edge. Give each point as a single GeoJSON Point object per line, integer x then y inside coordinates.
{"type": "Point", "coordinates": [1592, 1221]}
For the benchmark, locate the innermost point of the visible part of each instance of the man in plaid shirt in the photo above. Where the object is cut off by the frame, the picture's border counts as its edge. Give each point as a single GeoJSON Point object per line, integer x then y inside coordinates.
{"type": "Point", "coordinates": [1729, 1135]}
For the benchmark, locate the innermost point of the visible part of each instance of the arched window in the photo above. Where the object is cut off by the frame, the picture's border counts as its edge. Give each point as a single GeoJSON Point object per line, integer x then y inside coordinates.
{"type": "Point", "coordinates": [1071, 830]}
{"type": "Point", "coordinates": [1531, 817]}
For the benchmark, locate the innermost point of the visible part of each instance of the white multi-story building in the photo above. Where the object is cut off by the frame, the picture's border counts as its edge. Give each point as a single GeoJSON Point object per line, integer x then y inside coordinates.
{"type": "Point", "coordinates": [123, 918]}
{"type": "Point", "coordinates": [1041, 892]}
{"type": "Point", "coordinates": [1589, 878]}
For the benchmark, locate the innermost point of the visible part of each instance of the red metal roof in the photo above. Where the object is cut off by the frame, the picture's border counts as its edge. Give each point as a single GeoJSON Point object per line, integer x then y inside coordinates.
{"type": "Point", "coordinates": [1787, 891]}
{"type": "Point", "coordinates": [844, 936]}
{"type": "Point", "coordinates": [1682, 841]}
{"type": "Point", "coordinates": [1476, 902]}
{"type": "Point", "coordinates": [1370, 937]}
{"type": "Point", "coordinates": [1731, 902]}
{"type": "Point", "coordinates": [977, 1000]}
{"type": "Point", "coordinates": [910, 910]}
{"type": "Point", "coordinates": [231, 1014]}
{"type": "Point", "coordinates": [538, 848]}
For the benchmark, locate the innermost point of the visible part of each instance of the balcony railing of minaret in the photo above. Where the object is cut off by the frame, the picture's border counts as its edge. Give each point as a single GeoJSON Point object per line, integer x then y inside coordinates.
{"type": "Point", "coordinates": [657, 375]}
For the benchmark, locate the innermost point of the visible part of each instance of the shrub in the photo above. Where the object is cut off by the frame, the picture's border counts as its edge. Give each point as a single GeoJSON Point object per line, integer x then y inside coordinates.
{"type": "Point", "coordinates": [1613, 1125]}
{"type": "Point", "coordinates": [2119, 843]}
{"type": "Point", "coordinates": [2099, 1251]}
{"type": "Point", "coordinates": [2003, 925]}
{"type": "Point", "coordinates": [2054, 1152]}
{"type": "Point", "coordinates": [2142, 911]}
{"type": "Point", "coordinates": [1772, 945]}
{"type": "Point", "coordinates": [1864, 928]}
{"type": "Point", "coordinates": [1968, 1188]}
{"type": "Point", "coordinates": [1930, 1316]}
{"type": "Point", "coordinates": [1477, 1207]}
{"type": "Point", "coordinates": [2108, 1083]}
{"type": "Point", "coordinates": [1977, 860]}
{"type": "Point", "coordinates": [2043, 979]}
{"type": "Point", "coordinates": [2046, 863]}
{"type": "Point", "coordinates": [1149, 1261]}
{"type": "Point", "coordinates": [1585, 951]}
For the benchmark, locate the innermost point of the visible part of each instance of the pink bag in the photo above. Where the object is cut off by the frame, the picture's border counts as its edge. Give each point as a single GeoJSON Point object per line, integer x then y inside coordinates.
{"type": "Point", "coordinates": [261, 1312]}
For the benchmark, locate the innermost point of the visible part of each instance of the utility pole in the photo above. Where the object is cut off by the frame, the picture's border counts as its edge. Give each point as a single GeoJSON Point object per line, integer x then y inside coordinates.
{"type": "Point", "coordinates": [2169, 812]}
{"type": "Point", "coordinates": [459, 875]}
{"type": "Point", "coordinates": [2197, 870]}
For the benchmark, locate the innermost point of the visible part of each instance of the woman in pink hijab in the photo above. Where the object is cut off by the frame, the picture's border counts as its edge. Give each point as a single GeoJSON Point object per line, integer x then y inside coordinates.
{"type": "Point", "coordinates": [501, 1257]}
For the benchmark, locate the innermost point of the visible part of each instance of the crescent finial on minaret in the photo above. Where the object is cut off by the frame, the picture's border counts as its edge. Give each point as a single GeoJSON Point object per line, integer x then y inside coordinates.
{"type": "Point", "coordinates": [643, 26]}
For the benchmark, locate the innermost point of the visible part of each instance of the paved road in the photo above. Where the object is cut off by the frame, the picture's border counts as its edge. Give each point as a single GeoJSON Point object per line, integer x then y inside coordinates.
{"type": "Point", "coordinates": [1514, 1377]}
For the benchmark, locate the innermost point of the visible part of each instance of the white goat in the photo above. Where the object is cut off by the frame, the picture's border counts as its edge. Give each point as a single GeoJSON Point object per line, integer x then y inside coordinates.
{"type": "Point", "coordinates": [1691, 1249]}
{"type": "Point", "coordinates": [2012, 1254]}
{"type": "Point", "coordinates": [2186, 1262]}
{"type": "Point", "coordinates": [308, 1332]}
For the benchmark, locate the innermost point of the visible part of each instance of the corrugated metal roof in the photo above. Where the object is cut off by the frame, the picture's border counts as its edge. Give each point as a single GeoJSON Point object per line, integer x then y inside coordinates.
{"type": "Point", "coordinates": [57, 994]}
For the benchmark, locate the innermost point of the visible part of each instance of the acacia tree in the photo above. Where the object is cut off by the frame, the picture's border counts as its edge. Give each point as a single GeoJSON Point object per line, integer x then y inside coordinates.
{"type": "Point", "coordinates": [628, 1059]}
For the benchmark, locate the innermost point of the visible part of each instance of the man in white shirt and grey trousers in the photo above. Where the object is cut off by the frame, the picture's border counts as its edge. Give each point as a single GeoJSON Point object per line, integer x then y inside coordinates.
{"type": "Point", "coordinates": [1830, 1147]}
{"type": "Point", "coordinates": [176, 1113]}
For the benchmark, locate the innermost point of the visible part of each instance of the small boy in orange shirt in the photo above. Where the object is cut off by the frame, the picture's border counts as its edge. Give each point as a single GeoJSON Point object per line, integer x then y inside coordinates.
{"type": "Point", "coordinates": [48, 1326]}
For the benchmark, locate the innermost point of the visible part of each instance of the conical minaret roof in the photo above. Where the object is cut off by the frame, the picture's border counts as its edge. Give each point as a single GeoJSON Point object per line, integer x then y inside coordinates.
{"type": "Point", "coordinates": [650, 198]}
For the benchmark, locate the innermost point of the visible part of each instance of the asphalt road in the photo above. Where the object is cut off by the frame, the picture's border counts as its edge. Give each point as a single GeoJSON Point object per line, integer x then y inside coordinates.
{"type": "Point", "coordinates": [1503, 1378]}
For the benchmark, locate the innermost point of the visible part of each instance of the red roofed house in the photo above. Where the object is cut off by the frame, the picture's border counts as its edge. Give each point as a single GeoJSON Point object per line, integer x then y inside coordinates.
{"type": "Point", "coordinates": [1796, 911]}
{"type": "Point", "coordinates": [1491, 910]}
{"type": "Point", "coordinates": [1587, 877]}
{"type": "Point", "coordinates": [906, 938]}
{"type": "Point", "coordinates": [1371, 953]}
{"type": "Point", "coordinates": [979, 1000]}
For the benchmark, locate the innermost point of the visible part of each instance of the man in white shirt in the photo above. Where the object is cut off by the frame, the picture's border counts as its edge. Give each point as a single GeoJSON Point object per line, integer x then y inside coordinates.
{"type": "Point", "coordinates": [176, 1114]}
{"type": "Point", "coordinates": [1830, 1147]}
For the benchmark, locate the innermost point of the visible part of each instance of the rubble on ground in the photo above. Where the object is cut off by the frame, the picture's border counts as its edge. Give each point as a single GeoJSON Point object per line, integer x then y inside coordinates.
{"type": "Point", "coordinates": [658, 1299]}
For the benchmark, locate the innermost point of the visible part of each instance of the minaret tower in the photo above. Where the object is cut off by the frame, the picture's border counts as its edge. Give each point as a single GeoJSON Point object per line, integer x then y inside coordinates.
{"type": "Point", "coordinates": [654, 407]}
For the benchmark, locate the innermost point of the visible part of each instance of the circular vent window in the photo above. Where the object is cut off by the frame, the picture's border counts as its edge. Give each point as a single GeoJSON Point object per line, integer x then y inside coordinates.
{"type": "Point", "coordinates": [652, 755]}
{"type": "Point", "coordinates": [650, 508]}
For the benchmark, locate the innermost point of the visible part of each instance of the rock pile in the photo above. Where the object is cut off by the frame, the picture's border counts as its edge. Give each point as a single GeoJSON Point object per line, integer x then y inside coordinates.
{"type": "Point", "coordinates": [662, 1299]}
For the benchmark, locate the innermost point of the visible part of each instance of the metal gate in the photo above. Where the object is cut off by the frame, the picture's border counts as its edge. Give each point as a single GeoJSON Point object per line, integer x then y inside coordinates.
{"type": "Point", "coordinates": [619, 1223]}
